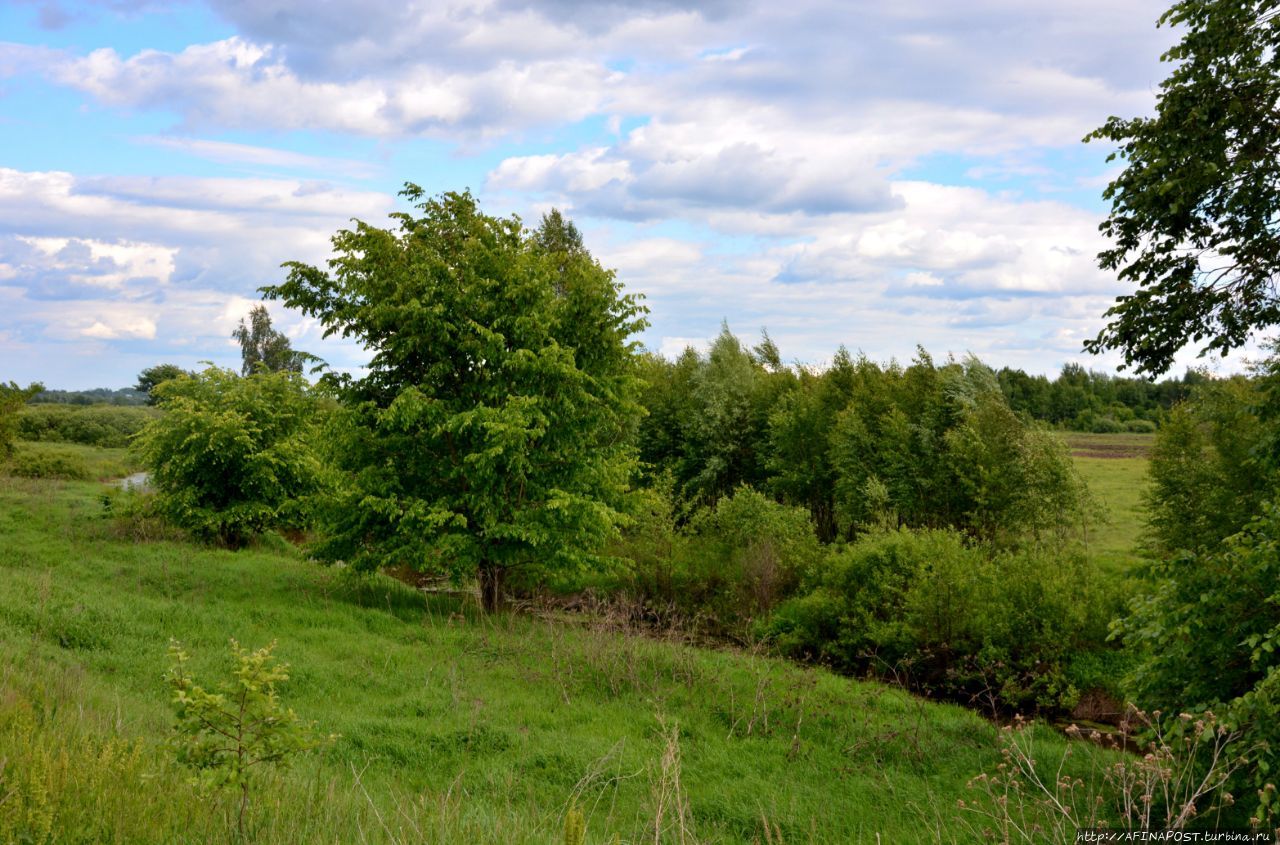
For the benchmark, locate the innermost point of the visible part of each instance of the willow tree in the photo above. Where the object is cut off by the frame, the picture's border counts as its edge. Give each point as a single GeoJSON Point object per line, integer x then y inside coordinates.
{"type": "Point", "coordinates": [492, 428]}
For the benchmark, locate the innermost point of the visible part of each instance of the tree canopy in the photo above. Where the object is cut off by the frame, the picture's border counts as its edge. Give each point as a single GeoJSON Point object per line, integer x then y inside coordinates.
{"type": "Point", "coordinates": [264, 348]}
{"type": "Point", "coordinates": [149, 378]}
{"type": "Point", "coordinates": [493, 427]}
{"type": "Point", "coordinates": [231, 456]}
{"type": "Point", "coordinates": [1195, 215]}
{"type": "Point", "coordinates": [12, 398]}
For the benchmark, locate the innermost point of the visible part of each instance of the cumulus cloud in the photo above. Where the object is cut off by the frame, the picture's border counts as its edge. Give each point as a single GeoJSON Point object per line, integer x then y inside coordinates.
{"type": "Point", "coordinates": [59, 268]}
{"type": "Point", "coordinates": [754, 160]}
{"type": "Point", "coordinates": [236, 84]}
{"type": "Point", "coordinates": [173, 261]}
{"type": "Point", "coordinates": [955, 269]}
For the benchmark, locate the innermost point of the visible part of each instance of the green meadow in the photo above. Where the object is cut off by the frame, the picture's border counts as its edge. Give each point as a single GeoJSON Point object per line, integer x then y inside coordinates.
{"type": "Point", "coordinates": [452, 726]}
{"type": "Point", "coordinates": [1115, 468]}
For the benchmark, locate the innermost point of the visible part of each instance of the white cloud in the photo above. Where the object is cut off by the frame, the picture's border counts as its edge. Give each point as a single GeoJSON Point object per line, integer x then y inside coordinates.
{"type": "Point", "coordinates": [237, 84]}
{"type": "Point", "coordinates": [740, 159]}
{"type": "Point", "coordinates": [231, 153]}
{"type": "Point", "coordinates": [170, 261]}
{"type": "Point", "coordinates": [130, 326]}
{"type": "Point", "coordinates": [98, 263]}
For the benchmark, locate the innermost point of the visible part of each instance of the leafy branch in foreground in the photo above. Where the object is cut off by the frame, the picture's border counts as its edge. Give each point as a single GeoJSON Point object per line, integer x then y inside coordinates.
{"type": "Point", "coordinates": [1193, 219]}
{"type": "Point", "coordinates": [227, 735]}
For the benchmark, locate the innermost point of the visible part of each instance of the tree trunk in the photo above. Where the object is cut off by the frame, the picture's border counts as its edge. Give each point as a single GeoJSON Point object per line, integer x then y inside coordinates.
{"type": "Point", "coordinates": [491, 577]}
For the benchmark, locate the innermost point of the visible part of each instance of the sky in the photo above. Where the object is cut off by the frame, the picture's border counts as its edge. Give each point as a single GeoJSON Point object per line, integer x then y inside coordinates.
{"type": "Point", "coordinates": [878, 175]}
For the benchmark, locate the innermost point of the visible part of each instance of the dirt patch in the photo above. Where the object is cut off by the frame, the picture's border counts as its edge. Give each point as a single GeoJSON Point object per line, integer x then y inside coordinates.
{"type": "Point", "coordinates": [1099, 706]}
{"type": "Point", "coordinates": [1110, 445]}
{"type": "Point", "coordinates": [1109, 452]}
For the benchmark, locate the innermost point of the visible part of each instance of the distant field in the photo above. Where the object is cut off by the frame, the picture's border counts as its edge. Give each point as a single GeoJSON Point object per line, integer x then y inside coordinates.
{"type": "Point", "coordinates": [1115, 468]}
{"type": "Point", "coordinates": [1085, 445]}
{"type": "Point", "coordinates": [454, 727]}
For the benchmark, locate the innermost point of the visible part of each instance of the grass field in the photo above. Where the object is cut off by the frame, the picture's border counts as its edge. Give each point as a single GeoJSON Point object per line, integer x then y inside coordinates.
{"type": "Point", "coordinates": [1115, 468]}
{"type": "Point", "coordinates": [69, 460]}
{"type": "Point", "coordinates": [452, 728]}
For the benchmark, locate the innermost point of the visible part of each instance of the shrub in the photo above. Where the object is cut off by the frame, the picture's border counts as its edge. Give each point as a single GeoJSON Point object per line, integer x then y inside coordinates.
{"type": "Point", "coordinates": [729, 565]}
{"type": "Point", "coordinates": [110, 426]}
{"type": "Point", "coordinates": [41, 464]}
{"type": "Point", "coordinates": [12, 398]}
{"type": "Point", "coordinates": [1106, 425]}
{"type": "Point", "coordinates": [1207, 626]}
{"type": "Point", "coordinates": [231, 456]}
{"type": "Point", "coordinates": [757, 549]}
{"type": "Point", "coordinates": [879, 601]}
{"type": "Point", "coordinates": [1140, 427]}
{"type": "Point", "coordinates": [947, 617]}
{"type": "Point", "coordinates": [1209, 469]}
{"type": "Point", "coordinates": [223, 735]}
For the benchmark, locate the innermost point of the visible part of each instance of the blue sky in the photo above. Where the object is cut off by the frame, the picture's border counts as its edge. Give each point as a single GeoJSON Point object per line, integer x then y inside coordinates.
{"type": "Point", "coordinates": [838, 171]}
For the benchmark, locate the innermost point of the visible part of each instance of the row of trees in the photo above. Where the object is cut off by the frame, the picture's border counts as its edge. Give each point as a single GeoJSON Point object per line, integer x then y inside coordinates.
{"type": "Point", "coordinates": [1085, 400]}
{"type": "Point", "coordinates": [506, 412]}
{"type": "Point", "coordinates": [857, 444]}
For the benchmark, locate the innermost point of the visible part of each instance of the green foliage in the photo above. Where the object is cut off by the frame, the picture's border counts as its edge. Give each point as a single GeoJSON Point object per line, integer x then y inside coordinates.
{"type": "Point", "coordinates": [941, 448]}
{"type": "Point", "coordinates": [725, 431]}
{"type": "Point", "coordinates": [800, 425]}
{"type": "Point", "coordinates": [493, 427]}
{"type": "Point", "coordinates": [745, 555]}
{"type": "Point", "coordinates": [858, 444]}
{"type": "Point", "coordinates": [1209, 468]}
{"type": "Point", "coordinates": [263, 349]}
{"type": "Point", "coordinates": [1208, 629]}
{"type": "Point", "coordinates": [729, 565]}
{"type": "Point", "coordinates": [93, 396]}
{"type": "Point", "coordinates": [224, 735]}
{"type": "Point", "coordinates": [709, 415]}
{"type": "Point", "coordinates": [152, 377]}
{"type": "Point", "coordinates": [1204, 623]}
{"type": "Point", "coordinates": [43, 464]}
{"type": "Point", "coordinates": [231, 456]}
{"type": "Point", "coordinates": [12, 398]}
{"type": "Point", "coordinates": [1193, 215]}
{"type": "Point", "coordinates": [927, 608]}
{"type": "Point", "coordinates": [111, 426]}
{"type": "Point", "coordinates": [1080, 399]}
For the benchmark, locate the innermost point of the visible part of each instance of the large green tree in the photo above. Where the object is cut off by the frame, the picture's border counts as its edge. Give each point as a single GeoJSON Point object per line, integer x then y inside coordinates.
{"type": "Point", "coordinates": [1195, 215]}
{"type": "Point", "coordinates": [493, 427]}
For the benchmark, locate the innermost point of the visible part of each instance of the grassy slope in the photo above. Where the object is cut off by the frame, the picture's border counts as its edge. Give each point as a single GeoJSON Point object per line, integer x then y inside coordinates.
{"type": "Point", "coordinates": [452, 728]}
{"type": "Point", "coordinates": [1115, 468]}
